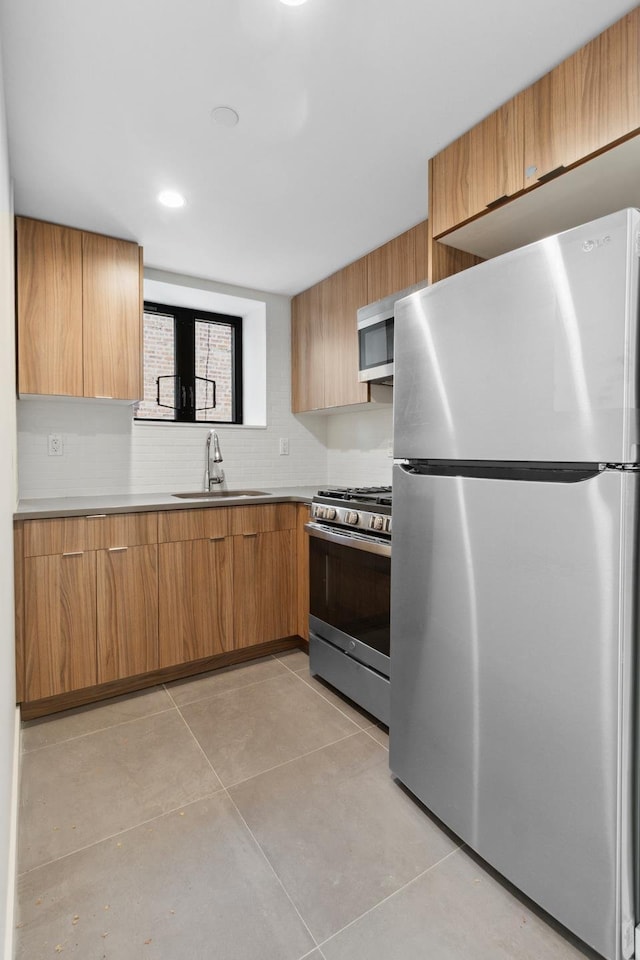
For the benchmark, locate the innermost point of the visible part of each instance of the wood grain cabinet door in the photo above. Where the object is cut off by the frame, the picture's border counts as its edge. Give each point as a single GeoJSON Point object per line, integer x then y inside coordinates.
{"type": "Point", "coordinates": [195, 600]}
{"type": "Point", "coordinates": [586, 103]}
{"type": "Point", "coordinates": [307, 350]}
{"type": "Point", "coordinates": [59, 623]}
{"type": "Point", "coordinates": [479, 169]}
{"type": "Point", "coordinates": [264, 585]}
{"type": "Point", "coordinates": [49, 307]}
{"type": "Point", "coordinates": [397, 264]}
{"type": "Point", "coordinates": [112, 317]}
{"type": "Point", "coordinates": [344, 292]}
{"type": "Point", "coordinates": [127, 611]}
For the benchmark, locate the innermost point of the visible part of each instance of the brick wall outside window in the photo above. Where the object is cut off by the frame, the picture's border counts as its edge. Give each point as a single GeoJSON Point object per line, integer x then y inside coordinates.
{"type": "Point", "coordinates": [213, 361]}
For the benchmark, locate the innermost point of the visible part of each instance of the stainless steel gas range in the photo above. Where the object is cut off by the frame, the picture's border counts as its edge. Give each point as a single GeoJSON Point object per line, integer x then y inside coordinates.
{"type": "Point", "coordinates": [350, 590]}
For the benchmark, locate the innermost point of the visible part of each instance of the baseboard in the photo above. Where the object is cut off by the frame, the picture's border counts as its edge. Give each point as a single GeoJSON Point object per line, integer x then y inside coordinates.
{"type": "Point", "coordinates": [12, 866]}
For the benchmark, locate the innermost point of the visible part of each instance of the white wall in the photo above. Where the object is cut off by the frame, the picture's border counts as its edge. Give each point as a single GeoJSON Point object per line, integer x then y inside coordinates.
{"type": "Point", "coordinates": [105, 452]}
{"type": "Point", "coordinates": [8, 487]}
{"type": "Point", "coordinates": [359, 447]}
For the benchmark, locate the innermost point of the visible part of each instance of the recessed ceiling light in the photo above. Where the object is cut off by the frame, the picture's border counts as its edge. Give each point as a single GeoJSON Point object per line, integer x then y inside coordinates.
{"type": "Point", "coordinates": [171, 198]}
{"type": "Point", "coordinates": [225, 116]}
{"type": "Point", "coordinates": [293, 3]}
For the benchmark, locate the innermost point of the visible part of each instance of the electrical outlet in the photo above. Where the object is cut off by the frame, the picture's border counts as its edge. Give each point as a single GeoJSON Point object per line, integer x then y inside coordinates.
{"type": "Point", "coordinates": [56, 446]}
{"type": "Point", "coordinates": [284, 446]}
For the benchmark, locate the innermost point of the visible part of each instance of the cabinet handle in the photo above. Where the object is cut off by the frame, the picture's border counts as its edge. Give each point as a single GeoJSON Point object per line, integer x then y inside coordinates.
{"type": "Point", "coordinates": [216, 539]}
{"type": "Point", "coordinates": [96, 516]}
{"type": "Point", "coordinates": [117, 549]}
{"type": "Point", "coordinates": [249, 536]}
{"type": "Point", "coordinates": [102, 396]}
{"type": "Point", "coordinates": [76, 553]}
{"type": "Point", "coordinates": [498, 202]}
{"type": "Point", "coordinates": [551, 174]}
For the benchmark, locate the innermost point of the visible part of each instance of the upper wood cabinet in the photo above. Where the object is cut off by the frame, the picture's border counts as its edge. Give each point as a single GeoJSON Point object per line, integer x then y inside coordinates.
{"type": "Point", "coordinates": [478, 170]}
{"type": "Point", "coordinates": [79, 313]}
{"type": "Point", "coordinates": [580, 108]}
{"type": "Point", "coordinates": [307, 350]}
{"type": "Point", "coordinates": [397, 264]}
{"type": "Point", "coordinates": [324, 342]}
{"type": "Point", "coordinates": [345, 291]}
{"type": "Point", "coordinates": [586, 103]}
{"type": "Point", "coordinates": [49, 299]}
{"type": "Point", "coordinates": [324, 337]}
{"type": "Point", "coordinates": [111, 308]}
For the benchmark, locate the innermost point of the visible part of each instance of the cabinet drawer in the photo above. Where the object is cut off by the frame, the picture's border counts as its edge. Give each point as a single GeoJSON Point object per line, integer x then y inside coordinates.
{"type": "Point", "coordinates": [174, 525]}
{"type": "Point", "coordinates": [261, 519]}
{"type": "Point", "coordinates": [122, 530]}
{"type": "Point", "coordinates": [47, 537]}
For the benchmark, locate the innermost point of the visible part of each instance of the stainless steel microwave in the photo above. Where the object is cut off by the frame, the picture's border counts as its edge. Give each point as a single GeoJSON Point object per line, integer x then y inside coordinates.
{"type": "Point", "coordinates": [375, 337]}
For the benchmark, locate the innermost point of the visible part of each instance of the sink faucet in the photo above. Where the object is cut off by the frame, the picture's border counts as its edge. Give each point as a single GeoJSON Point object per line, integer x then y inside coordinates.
{"type": "Point", "coordinates": [213, 474]}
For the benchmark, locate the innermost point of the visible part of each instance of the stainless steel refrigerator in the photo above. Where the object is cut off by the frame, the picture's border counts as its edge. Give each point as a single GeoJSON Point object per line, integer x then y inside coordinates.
{"type": "Point", "coordinates": [514, 621]}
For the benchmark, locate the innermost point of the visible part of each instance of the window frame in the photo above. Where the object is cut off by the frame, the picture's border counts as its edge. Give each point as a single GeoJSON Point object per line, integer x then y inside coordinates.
{"type": "Point", "coordinates": [184, 327]}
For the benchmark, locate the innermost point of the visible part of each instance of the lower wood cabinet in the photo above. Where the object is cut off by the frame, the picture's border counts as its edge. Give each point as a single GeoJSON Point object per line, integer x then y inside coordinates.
{"type": "Point", "coordinates": [127, 611]}
{"type": "Point", "coordinates": [59, 623]}
{"type": "Point", "coordinates": [104, 599]}
{"type": "Point", "coordinates": [195, 600]}
{"type": "Point", "coordinates": [264, 587]}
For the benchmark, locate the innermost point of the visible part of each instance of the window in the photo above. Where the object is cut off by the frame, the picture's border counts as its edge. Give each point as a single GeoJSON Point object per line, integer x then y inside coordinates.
{"type": "Point", "coordinates": [192, 366]}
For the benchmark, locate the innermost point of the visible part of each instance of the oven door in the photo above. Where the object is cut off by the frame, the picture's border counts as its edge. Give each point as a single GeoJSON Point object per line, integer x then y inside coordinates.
{"type": "Point", "coordinates": [350, 593]}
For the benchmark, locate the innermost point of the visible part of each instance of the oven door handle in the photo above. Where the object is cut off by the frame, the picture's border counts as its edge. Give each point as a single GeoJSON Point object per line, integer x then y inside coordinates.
{"type": "Point", "coordinates": [344, 539]}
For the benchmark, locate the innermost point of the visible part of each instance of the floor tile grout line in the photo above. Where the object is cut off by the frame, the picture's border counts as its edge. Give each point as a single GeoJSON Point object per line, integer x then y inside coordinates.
{"type": "Point", "coordinates": [121, 833]}
{"type": "Point", "coordinates": [284, 664]}
{"type": "Point", "coordinates": [297, 673]}
{"type": "Point", "coordinates": [90, 733]}
{"type": "Point", "coordinates": [309, 753]}
{"type": "Point", "coordinates": [276, 766]}
{"type": "Point", "coordinates": [367, 730]}
{"type": "Point", "coordinates": [273, 869]}
{"type": "Point", "coordinates": [250, 832]}
{"type": "Point", "coordinates": [213, 696]}
{"type": "Point", "coordinates": [391, 896]}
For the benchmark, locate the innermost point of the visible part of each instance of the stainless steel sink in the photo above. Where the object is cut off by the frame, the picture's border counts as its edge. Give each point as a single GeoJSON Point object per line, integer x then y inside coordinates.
{"type": "Point", "coordinates": [204, 495]}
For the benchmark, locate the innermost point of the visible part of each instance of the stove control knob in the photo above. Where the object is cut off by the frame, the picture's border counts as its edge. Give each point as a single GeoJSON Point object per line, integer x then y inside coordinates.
{"type": "Point", "coordinates": [387, 525]}
{"type": "Point", "coordinates": [320, 512]}
{"type": "Point", "coordinates": [377, 523]}
{"type": "Point", "coordinates": [330, 513]}
{"type": "Point", "coordinates": [352, 517]}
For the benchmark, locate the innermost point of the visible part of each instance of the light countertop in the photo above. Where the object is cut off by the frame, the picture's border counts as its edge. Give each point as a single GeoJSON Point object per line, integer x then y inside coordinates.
{"type": "Point", "coordinates": [44, 508]}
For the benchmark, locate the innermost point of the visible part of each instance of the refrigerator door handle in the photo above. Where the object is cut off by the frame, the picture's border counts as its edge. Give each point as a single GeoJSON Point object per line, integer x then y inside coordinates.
{"type": "Point", "coordinates": [508, 470]}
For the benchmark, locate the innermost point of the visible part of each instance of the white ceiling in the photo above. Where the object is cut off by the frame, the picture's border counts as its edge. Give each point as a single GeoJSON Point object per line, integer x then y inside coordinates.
{"type": "Point", "coordinates": [341, 102]}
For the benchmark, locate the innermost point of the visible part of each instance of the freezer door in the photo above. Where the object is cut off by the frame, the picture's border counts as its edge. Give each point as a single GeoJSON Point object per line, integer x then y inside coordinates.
{"type": "Point", "coordinates": [530, 356]}
{"type": "Point", "coordinates": [512, 629]}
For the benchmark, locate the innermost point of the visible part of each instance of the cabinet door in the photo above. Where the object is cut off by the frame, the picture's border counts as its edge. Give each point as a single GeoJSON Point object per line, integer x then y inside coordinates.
{"type": "Point", "coordinates": [59, 623]}
{"type": "Point", "coordinates": [586, 103]}
{"type": "Point", "coordinates": [264, 587]}
{"type": "Point", "coordinates": [127, 611]}
{"type": "Point", "coordinates": [480, 168]}
{"type": "Point", "coordinates": [307, 350]}
{"type": "Point", "coordinates": [391, 267]}
{"type": "Point", "coordinates": [195, 600]}
{"type": "Point", "coordinates": [343, 293]}
{"type": "Point", "coordinates": [49, 306]}
{"type": "Point", "coordinates": [112, 317]}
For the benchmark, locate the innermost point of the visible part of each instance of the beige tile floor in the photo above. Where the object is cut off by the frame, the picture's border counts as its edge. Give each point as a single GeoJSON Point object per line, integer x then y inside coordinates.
{"type": "Point", "coordinates": [246, 815]}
